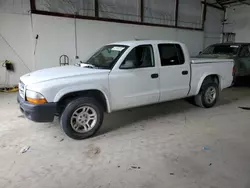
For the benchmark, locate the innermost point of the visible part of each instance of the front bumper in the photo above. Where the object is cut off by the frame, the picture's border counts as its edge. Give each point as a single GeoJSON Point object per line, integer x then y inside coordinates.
{"type": "Point", "coordinates": [37, 112]}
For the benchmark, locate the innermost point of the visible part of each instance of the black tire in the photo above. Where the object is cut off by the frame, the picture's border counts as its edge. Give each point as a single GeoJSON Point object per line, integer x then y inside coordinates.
{"type": "Point", "coordinates": [69, 110]}
{"type": "Point", "coordinates": [200, 98]}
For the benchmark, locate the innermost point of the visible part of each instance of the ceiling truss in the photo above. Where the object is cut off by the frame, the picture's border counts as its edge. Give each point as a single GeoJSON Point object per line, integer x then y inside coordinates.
{"type": "Point", "coordinates": [226, 3]}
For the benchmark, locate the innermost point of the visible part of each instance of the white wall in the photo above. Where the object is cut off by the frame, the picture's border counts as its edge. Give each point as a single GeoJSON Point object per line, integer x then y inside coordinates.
{"type": "Point", "coordinates": [15, 39]}
{"type": "Point", "coordinates": [238, 21]}
{"type": "Point", "coordinates": [56, 37]}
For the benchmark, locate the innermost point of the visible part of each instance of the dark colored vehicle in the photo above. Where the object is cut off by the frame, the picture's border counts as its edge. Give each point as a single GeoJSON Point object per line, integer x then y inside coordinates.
{"type": "Point", "coordinates": [240, 52]}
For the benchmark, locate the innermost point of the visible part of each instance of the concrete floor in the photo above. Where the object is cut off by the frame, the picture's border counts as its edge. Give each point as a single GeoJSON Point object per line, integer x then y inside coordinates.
{"type": "Point", "coordinates": [168, 145]}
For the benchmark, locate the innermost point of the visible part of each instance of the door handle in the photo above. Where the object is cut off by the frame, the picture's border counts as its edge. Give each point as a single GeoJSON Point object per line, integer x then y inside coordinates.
{"type": "Point", "coordinates": [184, 72]}
{"type": "Point", "coordinates": [154, 75]}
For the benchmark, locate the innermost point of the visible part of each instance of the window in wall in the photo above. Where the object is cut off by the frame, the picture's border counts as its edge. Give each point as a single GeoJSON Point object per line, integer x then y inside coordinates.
{"type": "Point", "coordinates": [171, 54]}
{"type": "Point", "coordinates": [123, 10]}
{"type": "Point", "coordinates": [190, 13]}
{"type": "Point", "coordinates": [15, 6]}
{"type": "Point", "coordinates": [159, 12]}
{"type": "Point", "coordinates": [79, 7]}
{"type": "Point", "coordinates": [154, 12]}
{"type": "Point", "coordinates": [141, 57]}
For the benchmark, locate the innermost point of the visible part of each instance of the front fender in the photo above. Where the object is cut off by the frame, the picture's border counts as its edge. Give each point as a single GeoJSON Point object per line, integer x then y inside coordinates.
{"type": "Point", "coordinates": [83, 87]}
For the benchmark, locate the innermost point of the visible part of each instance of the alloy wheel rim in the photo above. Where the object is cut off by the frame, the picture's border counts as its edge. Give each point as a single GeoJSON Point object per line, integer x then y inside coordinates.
{"type": "Point", "coordinates": [83, 119]}
{"type": "Point", "coordinates": [210, 95]}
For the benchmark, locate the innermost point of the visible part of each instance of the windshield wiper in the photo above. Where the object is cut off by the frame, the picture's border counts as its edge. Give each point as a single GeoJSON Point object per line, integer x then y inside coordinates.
{"type": "Point", "coordinates": [85, 65]}
{"type": "Point", "coordinates": [88, 65]}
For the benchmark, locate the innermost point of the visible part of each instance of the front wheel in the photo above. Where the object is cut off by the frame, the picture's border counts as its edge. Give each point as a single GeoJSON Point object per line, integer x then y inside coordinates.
{"type": "Point", "coordinates": [82, 118]}
{"type": "Point", "coordinates": [208, 95]}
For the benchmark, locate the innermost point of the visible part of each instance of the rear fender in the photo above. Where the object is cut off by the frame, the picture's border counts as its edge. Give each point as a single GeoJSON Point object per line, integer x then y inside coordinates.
{"type": "Point", "coordinates": [202, 80]}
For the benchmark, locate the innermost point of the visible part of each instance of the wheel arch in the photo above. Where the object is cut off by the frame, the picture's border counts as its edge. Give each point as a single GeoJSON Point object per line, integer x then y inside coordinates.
{"type": "Point", "coordinates": [98, 94]}
{"type": "Point", "coordinates": [208, 78]}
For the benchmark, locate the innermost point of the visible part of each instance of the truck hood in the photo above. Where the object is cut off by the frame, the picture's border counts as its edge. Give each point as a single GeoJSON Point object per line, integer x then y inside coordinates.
{"type": "Point", "coordinates": [58, 73]}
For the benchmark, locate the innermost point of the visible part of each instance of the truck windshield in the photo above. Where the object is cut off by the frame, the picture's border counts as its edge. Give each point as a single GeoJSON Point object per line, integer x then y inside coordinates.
{"type": "Point", "coordinates": [107, 56]}
{"type": "Point", "coordinates": [221, 49]}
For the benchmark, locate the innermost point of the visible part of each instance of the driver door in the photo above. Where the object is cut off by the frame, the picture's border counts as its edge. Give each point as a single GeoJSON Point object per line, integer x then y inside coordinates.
{"type": "Point", "coordinates": [136, 81]}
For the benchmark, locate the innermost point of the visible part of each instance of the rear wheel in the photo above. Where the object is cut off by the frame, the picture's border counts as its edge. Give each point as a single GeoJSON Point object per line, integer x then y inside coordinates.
{"type": "Point", "coordinates": [82, 118]}
{"type": "Point", "coordinates": [208, 95]}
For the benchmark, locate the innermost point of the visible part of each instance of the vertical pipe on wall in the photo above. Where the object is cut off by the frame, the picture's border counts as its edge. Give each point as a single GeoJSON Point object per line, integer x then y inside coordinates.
{"type": "Point", "coordinates": [223, 26]}
{"type": "Point", "coordinates": [76, 57]}
{"type": "Point", "coordinates": [142, 11]}
{"type": "Point", "coordinates": [204, 14]}
{"type": "Point", "coordinates": [96, 8]}
{"type": "Point", "coordinates": [32, 10]}
{"type": "Point", "coordinates": [176, 12]}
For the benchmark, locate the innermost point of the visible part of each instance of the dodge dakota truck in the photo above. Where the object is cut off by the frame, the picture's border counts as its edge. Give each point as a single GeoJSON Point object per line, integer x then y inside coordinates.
{"type": "Point", "coordinates": [119, 76]}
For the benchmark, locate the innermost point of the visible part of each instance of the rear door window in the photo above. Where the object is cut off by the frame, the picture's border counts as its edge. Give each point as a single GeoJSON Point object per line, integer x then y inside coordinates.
{"type": "Point", "coordinates": [171, 54]}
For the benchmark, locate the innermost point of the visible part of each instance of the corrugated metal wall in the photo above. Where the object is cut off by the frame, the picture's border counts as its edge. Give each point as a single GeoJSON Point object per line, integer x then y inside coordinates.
{"type": "Point", "coordinates": [213, 26]}
{"type": "Point", "coordinates": [15, 6]}
{"type": "Point", "coordinates": [156, 12]}
{"type": "Point", "coordinates": [123, 10]}
{"type": "Point", "coordinates": [159, 12]}
{"type": "Point", "coordinates": [81, 7]}
{"type": "Point", "coordinates": [190, 13]}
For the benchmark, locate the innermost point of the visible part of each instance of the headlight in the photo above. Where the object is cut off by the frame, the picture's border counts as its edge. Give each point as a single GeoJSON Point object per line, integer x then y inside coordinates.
{"type": "Point", "coordinates": [35, 97]}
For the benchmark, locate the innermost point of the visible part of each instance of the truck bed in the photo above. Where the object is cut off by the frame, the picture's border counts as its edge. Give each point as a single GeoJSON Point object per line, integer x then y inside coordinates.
{"type": "Point", "coordinates": [200, 67]}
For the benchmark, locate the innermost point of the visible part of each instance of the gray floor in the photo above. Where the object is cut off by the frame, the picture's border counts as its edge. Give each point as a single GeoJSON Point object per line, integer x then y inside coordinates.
{"type": "Point", "coordinates": [168, 145]}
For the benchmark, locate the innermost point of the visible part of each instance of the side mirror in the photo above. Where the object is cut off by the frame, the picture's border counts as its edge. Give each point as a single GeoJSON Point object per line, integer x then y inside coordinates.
{"type": "Point", "coordinates": [128, 64]}
{"type": "Point", "coordinates": [200, 52]}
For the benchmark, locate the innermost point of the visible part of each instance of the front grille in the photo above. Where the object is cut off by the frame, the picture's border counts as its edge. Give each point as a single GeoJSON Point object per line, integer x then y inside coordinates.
{"type": "Point", "coordinates": [21, 89]}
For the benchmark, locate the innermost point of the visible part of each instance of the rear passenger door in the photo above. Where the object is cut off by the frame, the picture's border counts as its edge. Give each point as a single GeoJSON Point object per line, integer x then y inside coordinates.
{"type": "Point", "coordinates": [174, 72]}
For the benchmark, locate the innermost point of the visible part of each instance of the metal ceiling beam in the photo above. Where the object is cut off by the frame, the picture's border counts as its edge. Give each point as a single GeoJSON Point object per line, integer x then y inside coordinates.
{"type": "Point", "coordinates": [204, 13]}
{"type": "Point", "coordinates": [232, 2]}
{"type": "Point", "coordinates": [245, 2]}
{"type": "Point", "coordinates": [176, 12]}
{"type": "Point", "coordinates": [212, 5]}
{"type": "Point", "coordinates": [32, 5]}
{"type": "Point", "coordinates": [96, 8]}
{"type": "Point", "coordinates": [142, 10]}
{"type": "Point", "coordinates": [219, 3]}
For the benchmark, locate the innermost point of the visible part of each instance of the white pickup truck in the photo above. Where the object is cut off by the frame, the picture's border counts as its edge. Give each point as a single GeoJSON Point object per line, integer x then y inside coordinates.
{"type": "Point", "coordinates": [119, 76]}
